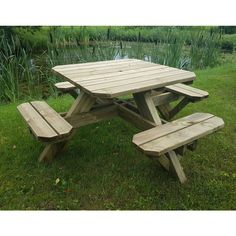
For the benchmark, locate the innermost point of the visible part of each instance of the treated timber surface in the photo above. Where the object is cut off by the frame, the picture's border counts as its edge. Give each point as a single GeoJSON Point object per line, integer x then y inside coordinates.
{"type": "Point", "coordinates": [45, 123]}
{"type": "Point", "coordinates": [120, 77]}
{"type": "Point", "coordinates": [187, 91]}
{"type": "Point", "coordinates": [167, 137]}
{"type": "Point", "coordinates": [65, 86]}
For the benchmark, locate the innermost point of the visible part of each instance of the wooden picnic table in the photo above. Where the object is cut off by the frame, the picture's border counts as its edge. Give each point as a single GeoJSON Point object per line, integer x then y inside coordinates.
{"type": "Point", "coordinates": [102, 84]}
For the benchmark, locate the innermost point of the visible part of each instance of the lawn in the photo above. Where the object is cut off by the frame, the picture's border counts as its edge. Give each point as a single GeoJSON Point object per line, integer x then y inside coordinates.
{"type": "Point", "coordinates": [101, 169]}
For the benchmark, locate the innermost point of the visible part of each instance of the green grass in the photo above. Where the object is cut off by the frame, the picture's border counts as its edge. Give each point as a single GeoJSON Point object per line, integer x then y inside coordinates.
{"type": "Point", "coordinates": [231, 38]}
{"type": "Point", "coordinates": [101, 169]}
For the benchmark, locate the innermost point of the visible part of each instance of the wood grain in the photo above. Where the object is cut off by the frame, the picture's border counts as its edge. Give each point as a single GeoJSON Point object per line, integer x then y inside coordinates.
{"type": "Point", "coordinates": [187, 91]}
{"type": "Point", "coordinates": [39, 127]}
{"type": "Point", "coordinates": [116, 78]}
{"type": "Point", "coordinates": [177, 137]}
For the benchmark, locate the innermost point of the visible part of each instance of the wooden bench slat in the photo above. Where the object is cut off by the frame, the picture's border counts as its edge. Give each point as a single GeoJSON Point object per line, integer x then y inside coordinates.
{"type": "Point", "coordinates": [111, 71]}
{"type": "Point", "coordinates": [170, 136]}
{"type": "Point", "coordinates": [182, 137]}
{"type": "Point", "coordinates": [159, 131]}
{"type": "Point", "coordinates": [38, 125]}
{"type": "Point", "coordinates": [126, 79]}
{"type": "Point", "coordinates": [65, 86]}
{"type": "Point", "coordinates": [193, 89]}
{"type": "Point", "coordinates": [97, 64]}
{"type": "Point", "coordinates": [121, 74]}
{"type": "Point", "coordinates": [187, 91]}
{"type": "Point", "coordinates": [60, 125]}
{"type": "Point", "coordinates": [140, 85]}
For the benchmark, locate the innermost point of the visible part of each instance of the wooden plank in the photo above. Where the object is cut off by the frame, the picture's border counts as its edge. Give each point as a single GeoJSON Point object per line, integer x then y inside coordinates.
{"type": "Point", "coordinates": [164, 98]}
{"type": "Point", "coordinates": [139, 86]}
{"type": "Point", "coordinates": [192, 89]}
{"type": "Point", "coordinates": [60, 125]}
{"type": "Point", "coordinates": [176, 167]}
{"type": "Point", "coordinates": [194, 118]}
{"type": "Point", "coordinates": [65, 86]}
{"type": "Point", "coordinates": [82, 104]}
{"type": "Point", "coordinates": [50, 151]}
{"type": "Point", "coordinates": [94, 116]}
{"type": "Point", "coordinates": [126, 79]}
{"type": "Point", "coordinates": [163, 130]}
{"type": "Point", "coordinates": [97, 64]}
{"type": "Point", "coordinates": [187, 91]}
{"type": "Point", "coordinates": [146, 107]}
{"type": "Point", "coordinates": [165, 109]}
{"type": "Point", "coordinates": [178, 107]}
{"type": "Point", "coordinates": [134, 118]}
{"type": "Point", "coordinates": [40, 128]}
{"type": "Point", "coordinates": [164, 162]}
{"type": "Point", "coordinates": [85, 75]}
{"type": "Point", "coordinates": [181, 137]}
{"type": "Point", "coordinates": [119, 77]}
{"type": "Point", "coordinates": [109, 71]}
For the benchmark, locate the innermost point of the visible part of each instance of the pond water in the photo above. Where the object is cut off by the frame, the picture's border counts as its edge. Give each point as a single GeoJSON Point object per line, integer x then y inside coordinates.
{"type": "Point", "coordinates": [177, 56]}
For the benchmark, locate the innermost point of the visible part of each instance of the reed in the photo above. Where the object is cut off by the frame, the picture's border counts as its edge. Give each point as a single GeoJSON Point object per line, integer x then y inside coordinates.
{"type": "Point", "coordinates": [20, 77]}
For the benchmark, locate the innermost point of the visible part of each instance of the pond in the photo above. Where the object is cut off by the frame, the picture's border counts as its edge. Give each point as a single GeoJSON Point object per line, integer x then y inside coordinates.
{"type": "Point", "coordinates": [176, 56]}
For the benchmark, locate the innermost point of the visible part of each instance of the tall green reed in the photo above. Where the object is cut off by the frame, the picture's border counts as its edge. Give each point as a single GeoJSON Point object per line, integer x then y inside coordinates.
{"type": "Point", "coordinates": [19, 75]}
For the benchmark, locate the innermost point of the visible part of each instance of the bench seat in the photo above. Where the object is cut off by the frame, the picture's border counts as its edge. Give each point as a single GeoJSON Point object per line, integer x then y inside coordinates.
{"type": "Point", "coordinates": [64, 86]}
{"type": "Point", "coordinates": [67, 87]}
{"type": "Point", "coordinates": [192, 93]}
{"type": "Point", "coordinates": [167, 137]}
{"type": "Point", "coordinates": [44, 122]}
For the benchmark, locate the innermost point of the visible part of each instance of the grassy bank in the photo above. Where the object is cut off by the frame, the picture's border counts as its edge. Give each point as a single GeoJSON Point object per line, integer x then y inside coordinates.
{"type": "Point", "coordinates": [100, 169]}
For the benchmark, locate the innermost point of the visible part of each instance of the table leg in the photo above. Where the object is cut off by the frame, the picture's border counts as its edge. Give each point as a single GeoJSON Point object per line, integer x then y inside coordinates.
{"type": "Point", "coordinates": [148, 110]}
{"type": "Point", "coordinates": [83, 103]}
{"type": "Point", "coordinates": [146, 107]}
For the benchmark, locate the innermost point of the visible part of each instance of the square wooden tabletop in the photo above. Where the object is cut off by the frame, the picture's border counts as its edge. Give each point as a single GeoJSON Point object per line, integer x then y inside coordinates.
{"type": "Point", "coordinates": [114, 78]}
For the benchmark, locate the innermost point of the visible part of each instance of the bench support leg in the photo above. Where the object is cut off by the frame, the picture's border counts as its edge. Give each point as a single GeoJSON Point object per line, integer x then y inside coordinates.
{"type": "Point", "coordinates": [83, 103]}
{"type": "Point", "coordinates": [178, 107]}
{"type": "Point", "coordinates": [175, 167]}
{"type": "Point", "coordinates": [147, 109]}
{"type": "Point", "coordinates": [168, 112]}
{"type": "Point", "coordinates": [50, 151]}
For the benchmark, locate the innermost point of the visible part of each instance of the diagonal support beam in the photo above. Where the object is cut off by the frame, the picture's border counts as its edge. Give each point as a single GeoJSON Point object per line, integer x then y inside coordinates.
{"type": "Point", "coordinates": [147, 109]}
{"type": "Point", "coordinates": [146, 106]}
{"type": "Point", "coordinates": [178, 107]}
{"type": "Point", "coordinates": [175, 167]}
